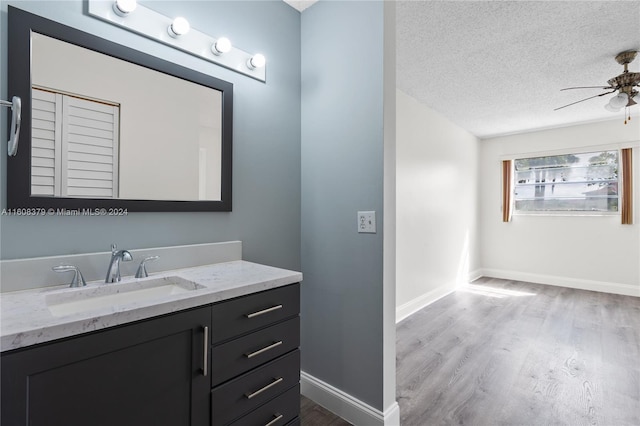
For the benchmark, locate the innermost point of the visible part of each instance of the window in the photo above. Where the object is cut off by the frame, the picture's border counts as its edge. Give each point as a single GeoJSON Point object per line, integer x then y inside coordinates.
{"type": "Point", "coordinates": [581, 182]}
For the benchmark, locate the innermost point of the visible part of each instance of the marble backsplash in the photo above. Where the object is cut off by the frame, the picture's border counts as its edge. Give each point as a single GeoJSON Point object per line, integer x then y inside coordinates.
{"type": "Point", "coordinates": [24, 274]}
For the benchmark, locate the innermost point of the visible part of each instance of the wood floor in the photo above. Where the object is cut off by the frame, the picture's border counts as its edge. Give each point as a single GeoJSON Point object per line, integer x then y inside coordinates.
{"type": "Point", "coordinates": [513, 353]}
{"type": "Point", "coordinates": [311, 414]}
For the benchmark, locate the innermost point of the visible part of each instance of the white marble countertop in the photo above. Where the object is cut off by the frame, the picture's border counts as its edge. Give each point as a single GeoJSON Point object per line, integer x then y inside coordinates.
{"type": "Point", "coordinates": [25, 318]}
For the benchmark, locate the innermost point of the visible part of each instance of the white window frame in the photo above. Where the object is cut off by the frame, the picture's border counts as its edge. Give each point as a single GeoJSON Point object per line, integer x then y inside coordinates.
{"type": "Point", "coordinates": [575, 150]}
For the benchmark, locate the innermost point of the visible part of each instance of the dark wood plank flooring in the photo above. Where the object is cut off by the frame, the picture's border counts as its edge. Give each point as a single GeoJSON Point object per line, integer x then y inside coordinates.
{"type": "Point", "coordinates": [311, 414]}
{"type": "Point", "coordinates": [513, 353]}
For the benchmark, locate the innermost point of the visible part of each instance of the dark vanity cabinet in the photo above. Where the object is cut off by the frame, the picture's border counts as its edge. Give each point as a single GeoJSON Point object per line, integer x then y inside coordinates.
{"type": "Point", "coordinates": [165, 370]}
{"type": "Point", "coordinates": [255, 360]}
{"type": "Point", "coordinates": [145, 373]}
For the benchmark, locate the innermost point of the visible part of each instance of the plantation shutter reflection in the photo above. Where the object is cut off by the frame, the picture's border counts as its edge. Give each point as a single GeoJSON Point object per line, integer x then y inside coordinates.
{"type": "Point", "coordinates": [46, 134]}
{"type": "Point", "coordinates": [90, 159]}
{"type": "Point", "coordinates": [75, 147]}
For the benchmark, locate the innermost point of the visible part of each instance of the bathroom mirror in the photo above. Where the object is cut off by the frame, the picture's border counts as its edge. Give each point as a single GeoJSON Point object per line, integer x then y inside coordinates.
{"type": "Point", "coordinates": [108, 127]}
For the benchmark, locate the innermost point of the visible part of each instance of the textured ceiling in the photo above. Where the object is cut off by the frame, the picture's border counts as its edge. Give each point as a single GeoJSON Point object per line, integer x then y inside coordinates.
{"type": "Point", "coordinates": [497, 67]}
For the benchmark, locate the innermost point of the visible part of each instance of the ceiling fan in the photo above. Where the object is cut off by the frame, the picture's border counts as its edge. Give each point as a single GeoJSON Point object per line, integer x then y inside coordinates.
{"type": "Point", "coordinates": [625, 84]}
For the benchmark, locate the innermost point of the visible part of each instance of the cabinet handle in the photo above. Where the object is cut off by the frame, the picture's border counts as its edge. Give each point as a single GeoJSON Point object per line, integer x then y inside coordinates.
{"type": "Point", "coordinates": [259, 391]}
{"type": "Point", "coordinates": [264, 311]}
{"type": "Point", "coordinates": [259, 351]}
{"type": "Point", "coordinates": [205, 352]}
{"type": "Point", "coordinates": [272, 422]}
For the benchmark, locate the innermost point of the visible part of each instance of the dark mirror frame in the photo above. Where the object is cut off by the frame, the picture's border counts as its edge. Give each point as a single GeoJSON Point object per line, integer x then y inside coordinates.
{"type": "Point", "coordinates": [21, 24]}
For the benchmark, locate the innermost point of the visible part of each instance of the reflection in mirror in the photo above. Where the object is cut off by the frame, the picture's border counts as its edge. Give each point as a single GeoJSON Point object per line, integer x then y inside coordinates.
{"type": "Point", "coordinates": [107, 128]}
{"type": "Point", "coordinates": [111, 127]}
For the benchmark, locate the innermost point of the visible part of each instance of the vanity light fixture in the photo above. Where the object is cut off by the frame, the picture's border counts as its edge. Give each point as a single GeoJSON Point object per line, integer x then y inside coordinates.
{"type": "Point", "coordinates": [222, 45]}
{"type": "Point", "coordinates": [256, 61]}
{"type": "Point", "coordinates": [179, 34]}
{"type": "Point", "coordinates": [179, 26]}
{"type": "Point", "coordinates": [124, 7]}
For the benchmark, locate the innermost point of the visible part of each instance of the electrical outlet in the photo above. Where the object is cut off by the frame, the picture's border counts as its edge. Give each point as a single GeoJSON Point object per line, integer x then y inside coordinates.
{"type": "Point", "coordinates": [367, 222]}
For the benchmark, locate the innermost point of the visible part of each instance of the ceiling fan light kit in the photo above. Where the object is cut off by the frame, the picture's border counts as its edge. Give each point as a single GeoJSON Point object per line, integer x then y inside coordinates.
{"type": "Point", "coordinates": [619, 100]}
{"type": "Point", "coordinates": [626, 84]}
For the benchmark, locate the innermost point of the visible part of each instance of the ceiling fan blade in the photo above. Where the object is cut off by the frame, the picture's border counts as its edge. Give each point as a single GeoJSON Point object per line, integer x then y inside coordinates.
{"type": "Point", "coordinates": [587, 87]}
{"type": "Point", "coordinates": [586, 99]}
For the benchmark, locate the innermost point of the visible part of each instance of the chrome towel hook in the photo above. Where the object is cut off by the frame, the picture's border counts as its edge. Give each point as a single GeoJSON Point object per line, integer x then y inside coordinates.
{"type": "Point", "coordinates": [16, 116]}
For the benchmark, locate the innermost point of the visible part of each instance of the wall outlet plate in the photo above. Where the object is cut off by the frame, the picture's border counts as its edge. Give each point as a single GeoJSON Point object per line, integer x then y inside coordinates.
{"type": "Point", "coordinates": [367, 222]}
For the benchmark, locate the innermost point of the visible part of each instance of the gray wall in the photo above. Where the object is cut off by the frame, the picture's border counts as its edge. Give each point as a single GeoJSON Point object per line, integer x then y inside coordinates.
{"type": "Point", "coordinates": [342, 172]}
{"type": "Point", "coordinates": [266, 152]}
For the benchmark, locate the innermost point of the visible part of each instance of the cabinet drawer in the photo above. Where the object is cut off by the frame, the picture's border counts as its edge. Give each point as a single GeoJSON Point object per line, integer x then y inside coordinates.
{"type": "Point", "coordinates": [241, 395]}
{"type": "Point", "coordinates": [241, 355]}
{"type": "Point", "coordinates": [242, 315]}
{"type": "Point", "coordinates": [276, 412]}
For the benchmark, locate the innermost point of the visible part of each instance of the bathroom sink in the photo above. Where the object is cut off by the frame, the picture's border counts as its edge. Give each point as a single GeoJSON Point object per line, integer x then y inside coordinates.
{"type": "Point", "coordinates": [112, 295]}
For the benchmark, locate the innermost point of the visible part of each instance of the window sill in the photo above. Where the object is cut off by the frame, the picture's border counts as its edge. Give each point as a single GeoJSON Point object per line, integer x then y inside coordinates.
{"type": "Point", "coordinates": [567, 214]}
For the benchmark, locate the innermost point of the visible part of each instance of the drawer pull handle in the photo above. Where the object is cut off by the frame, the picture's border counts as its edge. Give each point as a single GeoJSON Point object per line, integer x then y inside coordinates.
{"type": "Point", "coordinates": [274, 421]}
{"type": "Point", "coordinates": [205, 352]}
{"type": "Point", "coordinates": [259, 351]}
{"type": "Point", "coordinates": [264, 311]}
{"type": "Point", "coordinates": [259, 391]}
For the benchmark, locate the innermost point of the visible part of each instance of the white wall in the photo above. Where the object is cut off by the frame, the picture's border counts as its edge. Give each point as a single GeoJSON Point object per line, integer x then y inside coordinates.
{"type": "Point", "coordinates": [589, 252]}
{"type": "Point", "coordinates": [436, 190]}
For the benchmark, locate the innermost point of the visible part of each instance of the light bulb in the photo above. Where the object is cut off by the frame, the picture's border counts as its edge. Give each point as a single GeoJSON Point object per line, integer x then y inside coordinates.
{"type": "Point", "coordinates": [222, 45]}
{"type": "Point", "coordinates": [609, 108]}
{"type": "Point", "coordinates": [636, 98]}
{"type": "Point", "coordinates": [257, 61]}
{"type": "Point", "coordinates": [178, 27]}
{"type": "Point", "coordinates": [619, 100]}
{"type": "Point", "coordinates": [124, 7]}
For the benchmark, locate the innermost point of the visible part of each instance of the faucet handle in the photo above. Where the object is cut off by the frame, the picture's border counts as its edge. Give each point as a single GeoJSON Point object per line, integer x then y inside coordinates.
{"type": "Point", "coordinates": [142, 269]}
{"type": "Point", "coordinates": [125, 255]}
{"type": "Point", "coordinates": [78, 279]}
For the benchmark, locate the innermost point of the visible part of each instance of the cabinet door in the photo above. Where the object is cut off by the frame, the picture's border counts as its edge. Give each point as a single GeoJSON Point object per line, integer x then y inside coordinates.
{"type": "Point", "coordinates": [146, 373]}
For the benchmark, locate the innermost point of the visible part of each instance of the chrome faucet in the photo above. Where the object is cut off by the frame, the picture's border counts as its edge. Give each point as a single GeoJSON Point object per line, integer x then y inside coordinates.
{"type": "Point", "coordinates": [142, 269]}
{"type": "Point", "coordinates": [78, 279]}
{"type": "Point", "coordinates": [113, 273]}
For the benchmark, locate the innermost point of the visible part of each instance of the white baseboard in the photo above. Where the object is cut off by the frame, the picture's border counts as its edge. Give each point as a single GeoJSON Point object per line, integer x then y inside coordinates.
{"type": "Point", "coordinates": [474, 275]}
{"type": "Point", "coordinates": [346, 406]}
{"type": "Point", "coordinates": [581, 284]}
{"type": "Point", "coordinates": [414, 305]}
{"type": "Point", "coordinates": [424, 300]}
{"type": "Point", "coordinates": [406, 310]}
